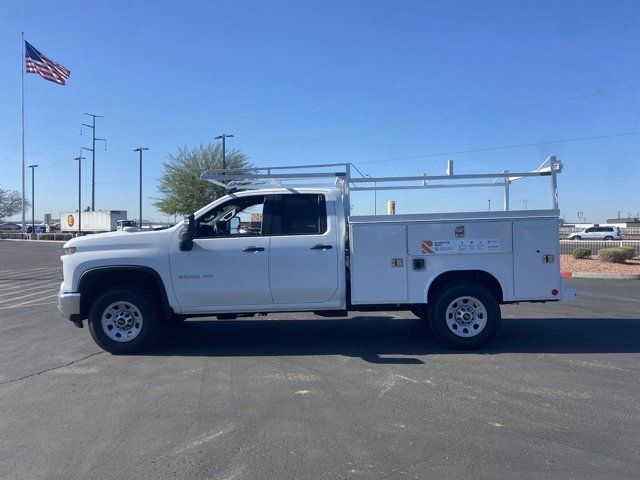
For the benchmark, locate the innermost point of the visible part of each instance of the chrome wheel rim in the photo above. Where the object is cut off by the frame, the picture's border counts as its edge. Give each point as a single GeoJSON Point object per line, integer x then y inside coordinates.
{"type": "Point", "coordinates": [466, 316]}
{"type": "Point", "coordinates": [122, 321]}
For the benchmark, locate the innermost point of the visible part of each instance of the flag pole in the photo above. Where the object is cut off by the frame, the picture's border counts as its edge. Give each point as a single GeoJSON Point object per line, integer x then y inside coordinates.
{"type": "Point", "coordinates": [23, 199]}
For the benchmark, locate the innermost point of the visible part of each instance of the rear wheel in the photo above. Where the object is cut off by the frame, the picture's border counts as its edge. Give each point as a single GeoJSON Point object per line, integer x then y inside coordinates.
{"type": "Point", "coordinates": [123, 321]}
{"type": "Point", "coordinates": [464, 315]}
{"type": "Point", "coordinates": [608, 238]}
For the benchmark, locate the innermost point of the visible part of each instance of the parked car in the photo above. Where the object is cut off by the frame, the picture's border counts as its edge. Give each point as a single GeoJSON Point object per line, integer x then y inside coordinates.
{"type": "Point", "coordinates": [598, 233]}
{"type": "Point", "coordinates": [127, 226]}
{"type": "Point", "coordinates": [9, 227]}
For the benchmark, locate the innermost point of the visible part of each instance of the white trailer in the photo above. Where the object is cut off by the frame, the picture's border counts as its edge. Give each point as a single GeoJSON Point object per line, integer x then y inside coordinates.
{"type": "Point", "coordinates": [91, 222]}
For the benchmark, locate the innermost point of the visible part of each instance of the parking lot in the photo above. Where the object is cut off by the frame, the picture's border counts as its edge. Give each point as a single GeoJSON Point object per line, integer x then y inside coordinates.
{"type": "Point", "coordinates": [297, 396]}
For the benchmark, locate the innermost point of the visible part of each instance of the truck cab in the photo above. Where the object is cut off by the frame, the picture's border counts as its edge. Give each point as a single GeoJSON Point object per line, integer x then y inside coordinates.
{"type": "Point", "coordinates": [274, 249]}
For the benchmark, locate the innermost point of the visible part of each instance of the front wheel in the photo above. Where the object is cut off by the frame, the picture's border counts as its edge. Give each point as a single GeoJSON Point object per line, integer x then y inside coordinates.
{"type": "Point", "coordinates": [123, 321]}
{"type": "Point", "coordinates": [464, 315]}
{"type": "Point", "coordinates": [608, 239]}
{"type": "Point", "coordinates": [577, 237]}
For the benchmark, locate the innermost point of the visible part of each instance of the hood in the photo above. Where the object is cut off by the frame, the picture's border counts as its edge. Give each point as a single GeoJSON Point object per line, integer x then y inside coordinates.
{"type": "Point", "coordinates": [120, 239]}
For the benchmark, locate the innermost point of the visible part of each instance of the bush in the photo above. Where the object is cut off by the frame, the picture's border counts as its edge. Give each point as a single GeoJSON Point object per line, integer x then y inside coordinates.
{"type": "Point", "coordinates": [613, 255]}
{"type": "Point", "coordinates": [581, 253]}
{"type": "Point", "coordinates": [629, 252]}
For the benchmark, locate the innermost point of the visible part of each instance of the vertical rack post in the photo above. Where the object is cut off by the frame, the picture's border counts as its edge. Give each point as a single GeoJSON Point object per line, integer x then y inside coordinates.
{"type": "Point", "coordinates": [506, 191]}
{"type": "Point", "coordinates": [554, 182]}
{"type": "Point", "coordinates": [347, 197]}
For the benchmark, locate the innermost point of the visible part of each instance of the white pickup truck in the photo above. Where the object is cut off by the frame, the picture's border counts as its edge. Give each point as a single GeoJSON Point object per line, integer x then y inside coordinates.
{"type": "Point", "coordinates": [272, 247]}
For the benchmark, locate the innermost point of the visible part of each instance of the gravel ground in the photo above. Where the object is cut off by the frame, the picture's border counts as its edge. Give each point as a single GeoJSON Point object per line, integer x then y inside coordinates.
{"type": "Point", "coordinates": [593, 265]}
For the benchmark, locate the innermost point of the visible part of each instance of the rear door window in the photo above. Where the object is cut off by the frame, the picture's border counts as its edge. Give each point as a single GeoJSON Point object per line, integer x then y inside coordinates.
{"type": "Point", "coordinates": [299, 214]}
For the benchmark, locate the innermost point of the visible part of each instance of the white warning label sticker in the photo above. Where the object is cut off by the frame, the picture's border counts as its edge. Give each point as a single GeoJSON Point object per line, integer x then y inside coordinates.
{"type": "Point", "coordinates": [480, 245]}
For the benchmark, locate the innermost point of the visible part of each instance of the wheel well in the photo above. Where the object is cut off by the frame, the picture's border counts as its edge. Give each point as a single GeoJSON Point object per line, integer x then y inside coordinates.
{"type": "Point", "coordinates": [478, 276]}
{"type": "Point", "coordinates": [96, 281]}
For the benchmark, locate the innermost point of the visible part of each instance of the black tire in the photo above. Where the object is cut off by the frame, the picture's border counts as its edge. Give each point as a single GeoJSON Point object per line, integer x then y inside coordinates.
{"type": "Point", "coordinates": [421, 311]}
{"type": "Point", "coordinates": [608, 239]}
{"type": "Point", "coordinates": [577, 237]}
{"type": "Point", "coordinates": [444, 311]}
{"type": "Point", "coordinates": [144, 332]}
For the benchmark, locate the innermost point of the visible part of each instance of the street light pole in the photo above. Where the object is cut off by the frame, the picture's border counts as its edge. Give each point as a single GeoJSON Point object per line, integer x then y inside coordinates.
{"type": "Point", "coordinates": [33, 199]}
{"type": "Point", "coordinates": [140, 149]}
{"type": "Point", "coordinates": [223, 137]}
{"type": "Point", "coordinates": [79, 158]}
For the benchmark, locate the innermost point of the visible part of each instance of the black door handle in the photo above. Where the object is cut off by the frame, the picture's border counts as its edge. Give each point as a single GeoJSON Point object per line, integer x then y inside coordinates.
{"type": "Point", "coordinates": [253, 249]}
{"type": "Point", "coordinates": [321, 247]}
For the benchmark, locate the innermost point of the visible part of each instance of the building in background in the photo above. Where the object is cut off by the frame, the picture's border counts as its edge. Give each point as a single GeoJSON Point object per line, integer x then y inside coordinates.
{"type": "Point", "coordinates": [624, 222]}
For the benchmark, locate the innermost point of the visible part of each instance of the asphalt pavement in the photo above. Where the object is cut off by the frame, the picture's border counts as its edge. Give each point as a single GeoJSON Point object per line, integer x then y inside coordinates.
{"type": "Point", "coordinates": [294, 396]}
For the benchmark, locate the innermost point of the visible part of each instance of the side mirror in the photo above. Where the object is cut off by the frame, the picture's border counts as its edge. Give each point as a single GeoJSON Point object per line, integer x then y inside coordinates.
{"type": "Point", "coordinates": [188, 232]}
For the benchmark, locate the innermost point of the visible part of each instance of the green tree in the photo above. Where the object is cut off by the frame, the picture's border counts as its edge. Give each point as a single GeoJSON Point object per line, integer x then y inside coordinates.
{"type": "Point", "coordinates": [10, 203]}
{"type": "Point", "coordinates": [181, 189]}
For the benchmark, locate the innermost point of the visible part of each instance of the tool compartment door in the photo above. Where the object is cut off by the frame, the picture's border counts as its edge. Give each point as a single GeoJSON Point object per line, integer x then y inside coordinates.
{"type": "Point", "coordinates": [378, 263]}
{"type": "Point", "coordinates": [536, 259]}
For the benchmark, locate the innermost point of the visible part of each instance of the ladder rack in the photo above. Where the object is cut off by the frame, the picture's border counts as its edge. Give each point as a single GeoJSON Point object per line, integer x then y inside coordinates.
{"type": "Point", "coordinates": [340, 176]}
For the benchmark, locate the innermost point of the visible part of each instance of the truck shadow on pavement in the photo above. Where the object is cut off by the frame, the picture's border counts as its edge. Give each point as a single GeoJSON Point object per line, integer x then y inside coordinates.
{"type": "Point", "coordinates": [385, 339]}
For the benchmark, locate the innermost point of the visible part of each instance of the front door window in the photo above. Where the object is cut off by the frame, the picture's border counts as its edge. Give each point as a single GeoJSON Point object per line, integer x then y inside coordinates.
{"type": "Point", "coordinates": [240, 217]}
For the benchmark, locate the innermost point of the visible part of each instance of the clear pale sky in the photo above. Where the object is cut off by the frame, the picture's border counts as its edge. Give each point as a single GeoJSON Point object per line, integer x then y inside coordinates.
{"type": "Point", "coordinates": [332, 81]}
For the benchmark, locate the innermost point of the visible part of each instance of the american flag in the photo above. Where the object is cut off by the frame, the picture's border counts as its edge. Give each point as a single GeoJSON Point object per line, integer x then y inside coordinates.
{"type": "Point", "coordinates": [38, 63]}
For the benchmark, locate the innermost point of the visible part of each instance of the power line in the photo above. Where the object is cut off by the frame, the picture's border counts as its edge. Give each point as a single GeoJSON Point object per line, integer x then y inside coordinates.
{"type": "Point", "coordinates": [369, 93]}
{"type": "Point", "coordinates": [419, 83]}
{"type": "Point", "coordinates": [367, 122]}
{"type": "Point", "coordinates": [506, 108]}
{"type": "Point", "coordinates": [504, 147]}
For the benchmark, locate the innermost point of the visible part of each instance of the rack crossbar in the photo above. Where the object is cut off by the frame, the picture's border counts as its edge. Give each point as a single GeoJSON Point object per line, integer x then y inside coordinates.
{"type": "Point", "coordinates": [425, 187]}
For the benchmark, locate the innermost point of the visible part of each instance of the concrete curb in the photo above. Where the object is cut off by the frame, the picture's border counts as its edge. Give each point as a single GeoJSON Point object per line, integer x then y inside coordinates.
{"type": "Point", "coordinates": [601, 276]}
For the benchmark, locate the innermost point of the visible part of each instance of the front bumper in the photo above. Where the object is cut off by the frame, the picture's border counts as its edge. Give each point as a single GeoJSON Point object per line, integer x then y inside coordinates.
{"type": "Point", "coordinates": [69, 305]}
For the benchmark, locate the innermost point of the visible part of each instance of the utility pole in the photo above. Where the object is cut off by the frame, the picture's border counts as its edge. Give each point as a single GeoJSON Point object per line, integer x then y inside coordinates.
{"type": "Point", "coordinates": [140, 149]}
{"type": "Point", "coordinates": [223, 137]}
{"type": "Point", "coordinates": [33, 199]}
{"type": "Point", "coordinates": [79, 158]}
{"type": "Point", "coordinates": [93, 155]}
{"type": "Point", "coordinates": [489, 204]}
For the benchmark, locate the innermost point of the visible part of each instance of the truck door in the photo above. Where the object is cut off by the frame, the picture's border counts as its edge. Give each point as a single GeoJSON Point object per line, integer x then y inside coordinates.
{"type": "Point", "coordinates": [228, 265]}
{"type": "Point", "coordinates": [303, 255]}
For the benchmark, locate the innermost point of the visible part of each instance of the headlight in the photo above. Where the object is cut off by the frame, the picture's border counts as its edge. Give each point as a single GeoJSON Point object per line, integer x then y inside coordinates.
{"type": "Point", "coordinates": [70, 250]}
